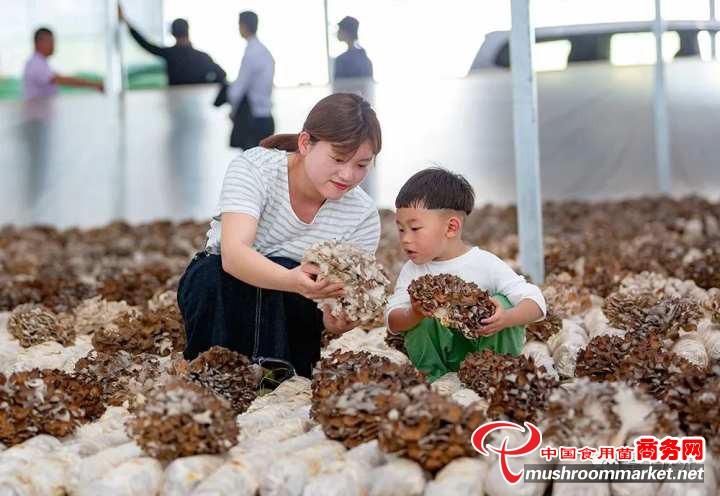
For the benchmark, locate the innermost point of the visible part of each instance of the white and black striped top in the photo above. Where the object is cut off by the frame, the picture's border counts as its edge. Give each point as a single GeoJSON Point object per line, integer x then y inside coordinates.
{"type": "Point", "coordinates": [256, 183]}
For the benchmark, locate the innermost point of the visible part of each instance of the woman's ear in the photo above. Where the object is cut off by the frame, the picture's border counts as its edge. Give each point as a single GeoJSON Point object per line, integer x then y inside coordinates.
{"type": "Point", "coordinates": [304, 143]}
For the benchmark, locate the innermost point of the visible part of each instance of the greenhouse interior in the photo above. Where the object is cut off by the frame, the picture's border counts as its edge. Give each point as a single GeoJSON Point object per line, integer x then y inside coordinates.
{"type": "Point", "coordinates": [440, 248]}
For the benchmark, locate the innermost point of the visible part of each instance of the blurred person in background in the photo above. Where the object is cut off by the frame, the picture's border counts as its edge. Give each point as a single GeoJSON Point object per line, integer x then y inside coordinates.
{"type": "Point", "coordinates": [39, 79]}
{"type": "Point", "coordinates": [251, 93]}
{"type": "Point", "coordinates": [354, 62]}
{"type": "Point", "coordinates": [183, 63]}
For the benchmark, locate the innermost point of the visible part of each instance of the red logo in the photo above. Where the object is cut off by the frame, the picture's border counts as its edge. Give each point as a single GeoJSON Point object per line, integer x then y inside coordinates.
{"type": "Point", "coordinates": [531, 445]}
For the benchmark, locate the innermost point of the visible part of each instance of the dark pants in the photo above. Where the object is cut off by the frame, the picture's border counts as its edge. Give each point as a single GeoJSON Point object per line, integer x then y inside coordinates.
{"type": "Point", "coordinates": [262, 324]}
{"type": "Point", "coordinates": [249, 131]}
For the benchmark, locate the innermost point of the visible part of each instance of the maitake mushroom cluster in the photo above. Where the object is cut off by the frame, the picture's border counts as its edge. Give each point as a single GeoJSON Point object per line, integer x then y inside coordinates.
{"type": "Point", "coordinates": [122, 375]}
{"type": "Point", "coordinates": [584, 413]}
{"type": "Point", "coordinates": [341, 369]}
{"type": "Point", "coordinates": [58, 292]}
{"type": "Point", "coordinates": [429, 427]}
{"type": "Point", "coordinates": [353, 415]}
{"type": "Point", "coordinates": [33, 324]}
{"type": "Point", "coordinates": [636, 358]}
{"type": "Point", "coordinates": [545, 329]}
{"type": "Point", "coordinates": [713, 306]}
{"type": "Point", "coordinates": [396, 341]}
{"type": "Point", "coordinates": [457, 304]}
{"type": "Point", "coordinates": [182, 419]}
{"type": "Point", "coordinates": [45, 402]}
{"type": "Point", "coordinates": [135, 286]}
{"type": "Point", "coordinates": [696, 398]}
{"type": "Point", "coordinates": [664, 316]}
{"type": "Point", "coordinates": [350, 390]}
{"type": "Point", "coordinates": [364, 280]}
{"type": "Point", "coordinates": [159, 331]}
{"type": "Point", "coordinates": [94, 313]}
{"type": "Point", "coordinates": [565, 296]}
{"type": "Point", "coordinates": [705, 269]}
{"type": "Point", "coordinates": [513, 385]}
{"type": "Point", "coordinates": [228, 374]}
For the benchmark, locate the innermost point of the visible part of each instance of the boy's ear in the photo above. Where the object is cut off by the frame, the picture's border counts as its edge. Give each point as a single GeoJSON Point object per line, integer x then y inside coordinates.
{"type": "Point", "coordinates": [454, 225]}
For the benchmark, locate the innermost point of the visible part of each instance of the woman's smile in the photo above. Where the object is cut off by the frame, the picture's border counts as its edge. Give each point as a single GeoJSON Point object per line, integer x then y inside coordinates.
{"type": "Point", "coordinates": [340, 186]}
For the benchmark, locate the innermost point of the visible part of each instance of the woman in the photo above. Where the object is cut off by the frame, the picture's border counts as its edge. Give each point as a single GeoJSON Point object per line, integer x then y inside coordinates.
{"type": "Point", "coordinates": [247, 291]}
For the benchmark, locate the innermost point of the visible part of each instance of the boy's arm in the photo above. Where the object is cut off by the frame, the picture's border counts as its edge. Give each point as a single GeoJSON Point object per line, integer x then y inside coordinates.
{"type": "Point", "coordinates": [403, 319]}
{"type": "Point", "coordinates": [399, 313]}
{"type": "Point", "coordinates": [515, 287]}
{"type": "Point", "coordinates": [528, 300]}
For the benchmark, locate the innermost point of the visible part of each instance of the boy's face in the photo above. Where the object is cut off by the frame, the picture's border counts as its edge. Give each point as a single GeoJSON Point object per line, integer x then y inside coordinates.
{"type": "Point", "coordinates": [425, 234]}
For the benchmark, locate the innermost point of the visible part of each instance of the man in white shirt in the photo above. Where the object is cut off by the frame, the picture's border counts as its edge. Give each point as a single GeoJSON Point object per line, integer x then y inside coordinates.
{"type": "Point", "coordinates": [251, 93]}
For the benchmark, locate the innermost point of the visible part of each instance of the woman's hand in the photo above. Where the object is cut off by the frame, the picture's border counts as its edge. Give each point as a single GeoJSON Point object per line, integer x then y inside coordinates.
{"type": "Point", "coordinates": [337, 325]}
{"type": "Point", "coordinates": [304, 280]}
{"type": "Point", "coordinates": [497, 322]}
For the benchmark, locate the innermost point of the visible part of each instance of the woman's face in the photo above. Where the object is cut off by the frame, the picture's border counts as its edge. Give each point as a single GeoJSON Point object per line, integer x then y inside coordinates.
{"type": "Point", "coordinates": [332, 174]}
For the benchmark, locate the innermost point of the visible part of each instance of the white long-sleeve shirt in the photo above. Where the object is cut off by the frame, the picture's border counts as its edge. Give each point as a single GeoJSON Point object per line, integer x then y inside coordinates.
{"type": "Point", "coordinates": [483, 268]}
{"type": "Point", "coordinates": [255, 79]}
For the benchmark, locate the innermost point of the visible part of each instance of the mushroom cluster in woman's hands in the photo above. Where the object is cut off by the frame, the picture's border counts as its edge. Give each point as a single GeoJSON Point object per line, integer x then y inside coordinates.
{"type": "Point", "coordinates": [364, 280]}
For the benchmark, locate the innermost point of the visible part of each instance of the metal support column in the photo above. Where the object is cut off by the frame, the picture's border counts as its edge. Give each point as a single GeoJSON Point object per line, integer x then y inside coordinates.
{"type": "Point", "coordinates": [662, 135]}
{"type": "Point", "coordinates": [327, 42]}
{"type": "Point", "coordinates": [113, 63]}
{"type": "Point", "coordinates": [713, 44]}
{"type": "Point", "coordinates": [527, 149]}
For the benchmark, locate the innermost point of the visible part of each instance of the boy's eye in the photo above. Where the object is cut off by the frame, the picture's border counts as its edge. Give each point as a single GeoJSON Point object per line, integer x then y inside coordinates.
{"type": "Point", "coordinates": [337, 160]}
{"type": "Point", "coordinates": [416, 228]}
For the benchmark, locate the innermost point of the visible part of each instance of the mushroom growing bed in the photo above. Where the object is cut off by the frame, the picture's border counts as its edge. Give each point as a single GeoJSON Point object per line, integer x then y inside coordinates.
{"type": "Point", "coordinates": [95, 397]}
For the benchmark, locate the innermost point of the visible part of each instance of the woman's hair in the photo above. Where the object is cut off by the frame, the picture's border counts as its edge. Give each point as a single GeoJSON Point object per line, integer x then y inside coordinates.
{"type": "Point", "coordinates": [345, 120]}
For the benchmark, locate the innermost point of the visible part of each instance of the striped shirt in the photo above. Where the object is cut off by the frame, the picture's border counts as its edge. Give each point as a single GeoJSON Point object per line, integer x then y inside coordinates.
{"type": "Point", "coordinates": [256, 184]}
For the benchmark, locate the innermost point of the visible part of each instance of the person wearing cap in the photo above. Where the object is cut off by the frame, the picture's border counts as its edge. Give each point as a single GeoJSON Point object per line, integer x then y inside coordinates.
{"type": "Point", "coordinates": [354, 62]}
{"type": "Point", "coordinates": [250, 95]}
{"type": "Point", "coordinates": [183, 63]}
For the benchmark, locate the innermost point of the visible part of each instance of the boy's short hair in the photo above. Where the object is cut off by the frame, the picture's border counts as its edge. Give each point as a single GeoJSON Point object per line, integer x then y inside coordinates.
{"type": "Point", "coordinates": [437, 189]}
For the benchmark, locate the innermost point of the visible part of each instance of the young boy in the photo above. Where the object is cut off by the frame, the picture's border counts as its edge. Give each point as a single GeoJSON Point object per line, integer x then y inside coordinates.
{"type": "Point", "coordinates": [431, 210]}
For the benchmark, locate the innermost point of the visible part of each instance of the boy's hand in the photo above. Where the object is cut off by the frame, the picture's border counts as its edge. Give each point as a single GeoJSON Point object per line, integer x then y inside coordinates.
{"type": "Point", "coordinates": [497, 322]}
{"type": "Point", "coordinates": [419, 310]}
{"type": "Point", "coordinates": [337, 325]}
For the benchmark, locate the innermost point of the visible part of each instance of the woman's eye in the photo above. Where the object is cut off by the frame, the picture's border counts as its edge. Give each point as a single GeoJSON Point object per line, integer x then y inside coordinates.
{"type": "Point", "coordinates": [338, 160]}
{"type": "Point", "coordinates": [416, 228]}
{"type": "Point", "coordinates": [362, 166]}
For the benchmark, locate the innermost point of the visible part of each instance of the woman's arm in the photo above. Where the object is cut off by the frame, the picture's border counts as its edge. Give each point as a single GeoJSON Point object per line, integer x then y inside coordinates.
{"type": "Point", "coordinates": [241, 261]}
